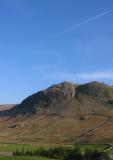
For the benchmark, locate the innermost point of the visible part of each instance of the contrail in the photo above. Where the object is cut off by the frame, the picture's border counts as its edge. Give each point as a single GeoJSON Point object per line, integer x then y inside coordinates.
{"type": "Point", "coordinates": [85, 22]}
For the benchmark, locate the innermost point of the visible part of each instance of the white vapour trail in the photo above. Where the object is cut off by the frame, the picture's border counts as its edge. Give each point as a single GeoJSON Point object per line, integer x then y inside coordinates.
{"type": "Point", "coordinates": [85, 22]}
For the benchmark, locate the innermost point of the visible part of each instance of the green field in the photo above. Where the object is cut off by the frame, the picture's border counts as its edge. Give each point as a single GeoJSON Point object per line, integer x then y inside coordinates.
{"type": "Point", "coordinates": [23, 158]}
{"type": "Point", "coordinates": [6, 150]}
{"type": "Point", "coordinates": [110, 151]}
{"type": "Point", "coordinates": [12, 147]}
{"type": "Point", "coordinates": [98, 147]}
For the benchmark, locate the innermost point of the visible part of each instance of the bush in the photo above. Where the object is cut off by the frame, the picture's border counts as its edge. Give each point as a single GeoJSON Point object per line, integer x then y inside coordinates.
{"type": "Point", "coordinates": [62, 153]}
{"type": "Point", "coordinates": [74, 154]}
{"type": "Point", "coordinates": [95, 155]}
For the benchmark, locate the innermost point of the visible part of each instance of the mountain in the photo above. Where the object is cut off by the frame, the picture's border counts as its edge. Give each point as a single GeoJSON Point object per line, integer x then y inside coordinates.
{"type": "Point", "coordinates": [6, 106]}
{"type": "Point", "coordinates": [58, 98]}
{"type": "Point", "coordinates": [63, 113]}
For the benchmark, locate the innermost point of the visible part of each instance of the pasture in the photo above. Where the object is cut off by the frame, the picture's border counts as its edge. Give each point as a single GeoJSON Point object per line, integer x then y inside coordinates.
{"type": "Point", "coordinates": [23, 158]}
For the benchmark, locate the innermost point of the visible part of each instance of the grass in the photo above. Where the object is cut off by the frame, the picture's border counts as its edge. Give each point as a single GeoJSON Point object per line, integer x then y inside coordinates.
{"type": "Point", "coordinates": [23, 158]}
{"type": "Point", "coordinates": [110, 151]}
{"type": "Point", "coordinates": [12, 147]}
{"type": "Point", "coordinates": [98, 147]}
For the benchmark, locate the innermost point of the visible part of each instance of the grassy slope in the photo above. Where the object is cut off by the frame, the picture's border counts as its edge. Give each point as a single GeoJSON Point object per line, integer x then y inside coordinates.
{"type": "Point", "coordinates": [48, 129]}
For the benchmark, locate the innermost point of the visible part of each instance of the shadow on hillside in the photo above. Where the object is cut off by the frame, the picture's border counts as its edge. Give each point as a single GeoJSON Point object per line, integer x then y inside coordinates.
{"type": "Point", "coordinates": [5, 113]}
{"type": "Point", "coordinates": [17, 110]}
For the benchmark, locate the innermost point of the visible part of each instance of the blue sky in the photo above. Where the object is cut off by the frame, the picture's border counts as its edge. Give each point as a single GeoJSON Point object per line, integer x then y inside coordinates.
{"type": "Point", "coordinates": [43, 42]}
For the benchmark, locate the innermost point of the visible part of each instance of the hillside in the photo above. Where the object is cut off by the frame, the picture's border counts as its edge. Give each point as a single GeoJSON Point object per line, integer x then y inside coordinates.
{"type": "Point", "coordinates": [65, 96]}
{"type": "Point", "coordinates": [64, 113]}
{"type": "Point", "coordinates": [6, 107]}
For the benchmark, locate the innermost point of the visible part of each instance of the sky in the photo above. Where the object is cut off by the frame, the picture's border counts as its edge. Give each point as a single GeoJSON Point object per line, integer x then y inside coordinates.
{"type": "Point", "coordinates": [43, 42]}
